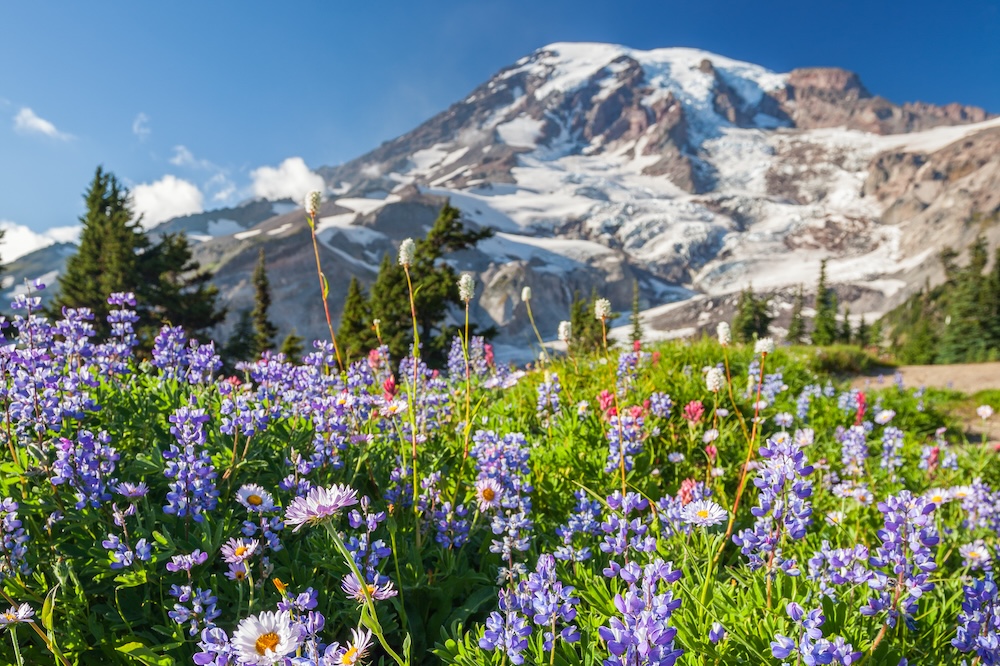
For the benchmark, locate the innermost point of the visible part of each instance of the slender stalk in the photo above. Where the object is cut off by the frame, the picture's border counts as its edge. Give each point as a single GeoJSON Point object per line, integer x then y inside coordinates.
{"type": "Point", "coordinates": [618, 411]}
{"type": "Point", "coordinates": [413, 406]}
{"type": "Point", "coordinates": [531, 317]}
{"type": "Point", "coordinates": [324, 290]}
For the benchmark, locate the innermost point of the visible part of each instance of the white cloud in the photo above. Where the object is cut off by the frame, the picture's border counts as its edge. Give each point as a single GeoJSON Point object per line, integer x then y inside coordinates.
{"type": "Point", "coordinates": [166, 198]}
{"type": "Point", "coordinates": [185, 158]}
{"type": "Point", "coordinates": [140, 126]}
{"type": "Point", "coordinates": [19, 240]}
{"type": "Point", "coordinates": [292, 179]}
{"type": "Point", "coordinates": [27, 122]}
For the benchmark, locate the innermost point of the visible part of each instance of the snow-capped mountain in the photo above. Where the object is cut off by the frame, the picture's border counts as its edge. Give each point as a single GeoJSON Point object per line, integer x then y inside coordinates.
{"type": "Point", "coordinates": [692, 173]}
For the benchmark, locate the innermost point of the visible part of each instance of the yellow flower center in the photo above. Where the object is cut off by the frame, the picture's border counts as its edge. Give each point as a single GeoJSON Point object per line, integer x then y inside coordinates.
{"type": "Point", "coordinates": [973, 555]}
{"type": "Point", "coordinates": [488, 494]}
{"type": "Point", "coordinates": [240, 550]}
{"type": "Point", "coordinates": [702, 513]}
{"type": "Point", "coordinates": [268, 641]}
{"type": "Point", "coordinates": [350, 656]}
{"type": "Point", "coordinates": [255, 500]}
{"type": "Point", "coordinates": [239, 574]}
{"type": "Point", "coordinates": [10, 617]}
{"type": "Point", "coordinates": [937, 499]}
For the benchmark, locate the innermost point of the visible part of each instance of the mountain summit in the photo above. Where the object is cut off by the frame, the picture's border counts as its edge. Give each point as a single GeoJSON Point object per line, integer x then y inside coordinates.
{"type": "Point", "coordinates": [689, 172]}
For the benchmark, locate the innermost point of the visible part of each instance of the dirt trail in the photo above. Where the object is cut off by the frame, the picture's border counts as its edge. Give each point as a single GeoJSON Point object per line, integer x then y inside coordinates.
{"type": "Point", "coordinates": [964, 377]}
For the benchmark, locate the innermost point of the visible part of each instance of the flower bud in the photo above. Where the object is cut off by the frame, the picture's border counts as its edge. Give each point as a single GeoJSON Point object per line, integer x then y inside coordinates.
{"type": "Point", "coordinates": [526, 294]}
{"type": "Point", "coordinates": [313, 200]}
{"type": "Point", "coordinates": [406, 250]}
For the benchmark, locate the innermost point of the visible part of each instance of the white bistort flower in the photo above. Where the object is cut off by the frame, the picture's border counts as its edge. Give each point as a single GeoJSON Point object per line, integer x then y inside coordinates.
{"type": "Point", "coordinates": [526, 294]}
{"type": "Point", "coordinates": [565, 331]}
{"type": "Point", "coordinates": [406, 251]}
{"type": "Point", "coordinates": [265, 639]}
{"type": "Point", "coordinates": [764, 346]}
{"type": "Point", "coordinates": [602, 308]}
{"type": "Point", "coordinates": [714, 379]}
{"type": "Point", "coordinates": [466, 287]}
{"type": "Point", "coordinates": [725, 334]}
{"type": "Point", "coordinates": [313, 200]}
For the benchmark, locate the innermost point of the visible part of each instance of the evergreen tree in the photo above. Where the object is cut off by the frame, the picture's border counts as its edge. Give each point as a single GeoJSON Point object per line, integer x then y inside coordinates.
{"type": "Point", "coordinates": [292, 347]}
{"type": "Point", "coordinates": [636, 321]}
{"type": "Point", "coordinates": [435, 291]}
{"type": "Point", "coordinates": [588, 335]}
{"type": "Point", "coordinates": [863, 335]}
{"type": "Point", "coordinates": [797, 325]}
{"type": "Point", "coordinates": [965, 336]}
{"type": "Point", "coordinates": [752, 319]}
{"type": "Point", "coordinates": [825, 322]}
{"type": "Point", "coordinates": [846, 335]}
{"type": "Point", "coordinates": [264, 330]}
{"type": "Point", "coordinates": [115, 255]}
{"type": "Point", "coordinates": [240, 345]}
{"type": "Point", "coordinates": [355, 334]}
{"type": "Point", "coordinates": [991, 306]}
{"type": "Point", "coordinates": [107, 258]}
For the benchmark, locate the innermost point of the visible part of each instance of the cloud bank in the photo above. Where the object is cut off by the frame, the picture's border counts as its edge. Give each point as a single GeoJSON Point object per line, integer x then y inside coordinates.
{"type": "Point", "coordinates": [28, 122]}
{"type": "Point", "coordinates": [292, 179]}
{"type": "Point", "coordinates": [19, 240]}
{"type": "Point", "coordinates": [165, 198]}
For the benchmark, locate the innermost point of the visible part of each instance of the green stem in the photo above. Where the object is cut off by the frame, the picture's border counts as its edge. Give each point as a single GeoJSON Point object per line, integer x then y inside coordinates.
{"type": "Point", "coordinates": [538, 335]}
{"type": "Point", "coordinates": [17, 648]}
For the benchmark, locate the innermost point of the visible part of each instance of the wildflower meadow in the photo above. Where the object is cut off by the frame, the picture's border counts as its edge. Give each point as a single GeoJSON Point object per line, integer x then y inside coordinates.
{"type": "Point", "coordinates": [680, 503]}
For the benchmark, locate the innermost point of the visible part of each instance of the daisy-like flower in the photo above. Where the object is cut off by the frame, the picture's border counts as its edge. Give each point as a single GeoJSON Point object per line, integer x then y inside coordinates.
{"type": "Point", "coordinates": [488, 493]}
{"type": "Point", "coordinates": [884, 416]}
{"type": "Point", "coordinates": [984, 411]}
{"type": "Point", "coordinates": [703, 513]}
{"type": "Point", "coordinates": [239, 550]}
{"type": "Point", "coordinates": [393, 408]}
{"type": "Point", "coordinates": [961, 492]}
{"type": "Point", "coordinates": [350, 654]}
{"type": "Point", "coordinates": [379, 591]}
{"type": "Point", "coordinates": [675, 457]}
{"type": "Point", "coordinates": [977, 555]}
{"type": "Point", "coordinates": [132, 491]}
{"type": "Point", "coordinates": [255, 498]}
{"type": "Point", "coordinates": [835, 518]}
{"type": "Point", "coordinates": [320, 505]}
{"type": "Point", "coordinates": [16, 615]}
{"type": "Point", "coordinates": [265, 639]}
{"type": "Point", "coordinates": [939, 495]}
{"type": "Point", "coordinates": [237, 571]}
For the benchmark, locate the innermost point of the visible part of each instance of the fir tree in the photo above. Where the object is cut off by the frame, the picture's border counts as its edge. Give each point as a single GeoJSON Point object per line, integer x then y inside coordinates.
{"type": "Point", "coordinates": [240, 345]}
{"type": "Point", "coordinates": [107, 258]}
{"type": "Point", "coordinates": [752, 319]}
{"type": "Point", "coordinates": [797, 325]}
{"type": "Point", "coordinates": [355, 333]}
{"type": "Point", "coordinates": [965, 336]}
{"type": "Point", "coordinates": [292, 347]}
{"type": "Point", "coordinates": [845, 335]}
{"type": "Point", "coordinates": [863, 335]}
{"type": "Point", "coordinates": [635, 319]}
{"type": "Point", "coordinates": [825, 322]}
{"type": "Point", "coordinates": [588, 335]}
{"type": "Point", "coordinates": [264, 330]}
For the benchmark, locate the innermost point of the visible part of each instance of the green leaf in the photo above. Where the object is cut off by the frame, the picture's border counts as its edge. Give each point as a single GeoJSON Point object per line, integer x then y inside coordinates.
{"type": "Point", "coordinates": [131, 579]}
{"type": "Point", "coordinates": [141, 653]}
{"type": "Point", "coordinates": [48, 608]}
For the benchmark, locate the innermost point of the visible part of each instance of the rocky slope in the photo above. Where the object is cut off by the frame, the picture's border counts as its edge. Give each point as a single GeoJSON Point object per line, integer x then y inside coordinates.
{"type": "Point", "coordinates": [686, 171]}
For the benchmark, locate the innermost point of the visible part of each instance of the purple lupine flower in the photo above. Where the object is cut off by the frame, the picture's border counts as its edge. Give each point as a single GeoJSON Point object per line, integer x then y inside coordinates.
{"type": "Point", "coordinates": [717, 633]}
{"type": "Point", "coordinates": [641, 633]}
{"type": "Point", "coordinates": [169, 353]}
{"type": "Point", "coordinates": [839, 566]}
{"type": "Point", "coordinates": [892, 446]}
{"type": "Point", "coordinates": [214, 648]}
{"type": "Point", "coordinates": [13, 547]}
{"type": "Point", "coordinates": [660, 405]}
{"type": "Point", "coordinates": [585, 520]}
{"type": "Point", "coordinates": [189, 467]}
{"type": "Point", "coordinates": [451, 525]}
{"type": "Point", "coordinates": [979, 621]}
{"type": "Point", "coordinates": [548, 398]}
{"type": "Point", "coordinates": [783, 508]}
{"type": "Point", "coordinates": [194, 607]}
{"type": "Point", "coordinates": [86, 466]}
{"type": "Point", "coordinates": [549, 603]}
{"type": "Point", "coordinates": [187, 562]}
{"type": "Point", "coordinates": [507, 630]}
{"type": "Point", "coordinates": [811, 647]}
{"type": "Point", "coordinates": [906, 557]}
{"type": "Point", "coordinates": [625, 438]}
{"type": "Point", "coordinates": [854, 450]}
{"type": "Point", "coordinates": [123, 555]}
{"type": "Point", "coordinates": [622, 534]}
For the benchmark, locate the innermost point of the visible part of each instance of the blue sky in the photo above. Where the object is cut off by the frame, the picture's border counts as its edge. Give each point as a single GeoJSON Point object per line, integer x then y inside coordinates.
{"type": "Point", "coordinates": [186, 101]}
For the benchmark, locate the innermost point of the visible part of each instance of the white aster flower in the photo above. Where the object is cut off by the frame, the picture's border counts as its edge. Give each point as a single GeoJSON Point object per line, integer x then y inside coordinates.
{"type": "Point", "coordinates": [406, 251]}
{"type": "Point", "coordinates": [884, 416]}
{"type": "Point", "coordinates": [488, 494]}
{"type": "Point", "coordinates": [265, 639]}
{"type": "Point", "coordinates": [313, 200]}
{"type": "Point", "coordinates": [16, 615]}
{"type": "Point", "coordinates": [977, 554]}
{"type": "Point", "coordinates": [984, 411]}
{"type": "Point", "coordinates": [239, 550]}
{"type": "Point", "coordinates": [939, 496]}
{"type": "Point", "coordinates": [835, 518]}
{"type": "Point", "coordinates": [703, 513]}
{"type": "Point", "coordinates": [602, 308]}
{"type": "Point", "coordinates": [377, 591]}
{"type": "Point", "coordinates": [764, 346]}
{"type": "Point", "coordinates": [565, 331]}
{"type": "Point", "coordinates": [526, 294]}
{"type": "Point", "coordinates": [350, 654]}
{"type": "Point", "coordinates": [714, 379]}
{"type": "Point", "coordinates": [725, 334]}
{"type": "Point", "coordinates": [466, 287]}
{"type": "Point", "coordinates": [319, 505]}
{"type": "Point", "coordinates": [255, 498]}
